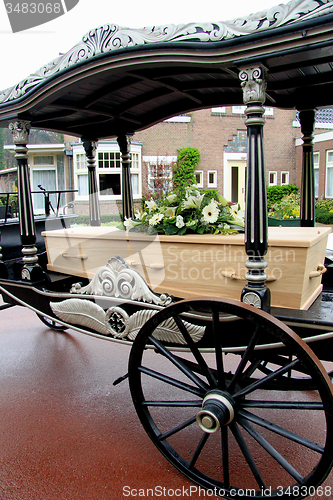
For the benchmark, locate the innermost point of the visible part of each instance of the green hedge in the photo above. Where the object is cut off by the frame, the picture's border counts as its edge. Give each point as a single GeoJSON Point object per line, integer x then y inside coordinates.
{"type": "Point", "coordinates": [324, 216]}
{"type": "Point", "coordinates": [276, 193]}
{"type": "Point", "coordinates": [84, 219]}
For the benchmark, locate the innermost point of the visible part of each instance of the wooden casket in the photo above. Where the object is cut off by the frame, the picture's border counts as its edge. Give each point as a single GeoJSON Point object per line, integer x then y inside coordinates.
{"type": "Point", "coordinates": [195, 265]}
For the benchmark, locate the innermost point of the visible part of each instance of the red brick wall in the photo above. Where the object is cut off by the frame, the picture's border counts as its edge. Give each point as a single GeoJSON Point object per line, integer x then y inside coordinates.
{"type": "Point", "coordinates": [210, 133]}
{"type": "Point", "coordinates": [321, 148]}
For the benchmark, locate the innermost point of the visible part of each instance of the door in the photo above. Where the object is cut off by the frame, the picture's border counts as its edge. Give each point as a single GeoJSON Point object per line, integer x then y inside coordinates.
{"type": "Point", "coordinates": [237, 182]}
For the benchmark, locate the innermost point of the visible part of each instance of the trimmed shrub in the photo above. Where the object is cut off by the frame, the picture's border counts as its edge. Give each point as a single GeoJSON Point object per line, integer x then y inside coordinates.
{"type": "Point", "coordinates": [324, 216]}
{"type": "Point", "coordinates": [211, 193]}
{"type": "Point", "coordinates": [84, 219]}
{"type": "Point", "coordinates": [276, 193]}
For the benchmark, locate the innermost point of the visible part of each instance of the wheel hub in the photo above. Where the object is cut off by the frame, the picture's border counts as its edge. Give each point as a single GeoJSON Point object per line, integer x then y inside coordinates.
{"type": "Point", "coordinates": [217, 410]}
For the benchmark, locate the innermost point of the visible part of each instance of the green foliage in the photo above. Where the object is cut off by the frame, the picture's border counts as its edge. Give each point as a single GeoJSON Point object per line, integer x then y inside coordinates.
{"type": "Point", "coordinates": [287, 208]}
{"type": "Point", "coordinates": [195, 213]}
{"type": "Point", "coordinates": [324, 211]}
{"type": "Point", "coordinates": [325, 204]}
{"type": "Point", "coordinates": [12, 199]}
{"type": "Point", "coordinates": [276, 193]}
{"type": "Point", "coordinates": [211, 193]}
{"type": "Point", "coordinates": [184, 173]}
{"type": "Point", "coordinates": [105, 219]}
{"type": "Point", "coordinates": [324, 216]}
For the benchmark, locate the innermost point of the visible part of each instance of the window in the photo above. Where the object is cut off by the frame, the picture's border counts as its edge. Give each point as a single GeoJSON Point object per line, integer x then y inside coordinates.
{"type": "Point", "coordinates": [316, 173]}
{"type": "Point", "coordinates": [109, 160]}
{"type": "Point", "coordinates": [238, 110]}
{"type": "Point", "coordinates": [284, 178]}
{"type": "Point", "coordinates": [269, 111]}
{"type": "Point", "coordinates": [329, 175]}
{"type": "Point", "coordinates": [43, 160]}
{"type": "Point", "coordinates": [109, 184]}
{"type": "Point", "coordinates": [199, 178]}
{"type": "Point", "coordinates": [160, 177]}
{"type": "Point", "coordinates": [108, 171]}
{"type": "Point", "coordinates": [135, 174]}
{"type": "Point", "coordinates": [272, 178]}
{"type": "Point", "coordinates": [219, 110]}
{"type": "Point", "coordinates": [212, 179]}
{"type": "Point", "coordinates": [82, 174]}
{"type": "Point", "coordinates": [43, 173]}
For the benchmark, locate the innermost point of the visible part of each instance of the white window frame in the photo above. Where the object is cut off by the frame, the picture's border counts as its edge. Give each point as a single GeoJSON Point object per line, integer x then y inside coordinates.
{"type": "Point", "coordinates": [329, 165]}
{"type": "Point", "coordinates": [316, 155]}
{"type": "Point", "coordinates": [219, 110]}
{"type": "Point", "coordinates": [113, 157]}
{"type": "Point", "coordinates": [269, 111]}
{"type": "Point", "coordinates": [108, 147]}
{"type": "Point", "coordinates": [43, 167]}
{"type": "Point", "coordinates": [136, 171]}
{"type": "Point", "coordinates": [201, 176]}
{"type": "Point", "coordinates": [285, 172]}
{"type": "Point", "coordinates": [238, 110]}
{"type": "Point", "coordinates": [80, 169]}
{"type": "Point", "coordinates": [274, 172]}
{"type": "Point", "coordinates": [214, 183]}
{"type": "Point", "coordinates": [164, 162]}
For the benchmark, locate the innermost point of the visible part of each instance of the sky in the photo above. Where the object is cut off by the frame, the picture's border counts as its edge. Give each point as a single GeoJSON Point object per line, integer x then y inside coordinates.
{"type": "Point", "coordinates": [26, 51]}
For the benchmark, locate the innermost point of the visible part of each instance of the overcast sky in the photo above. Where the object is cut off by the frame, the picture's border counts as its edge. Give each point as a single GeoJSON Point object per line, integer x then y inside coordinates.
{"type": "Point", "coordinates": [28, 50]}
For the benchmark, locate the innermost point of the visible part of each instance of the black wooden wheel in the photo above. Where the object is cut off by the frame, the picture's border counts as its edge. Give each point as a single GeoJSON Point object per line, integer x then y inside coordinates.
{"type": "Point", "coordinates": [218, 418]}
{"type": "Point", "coordinates": [51, 323]}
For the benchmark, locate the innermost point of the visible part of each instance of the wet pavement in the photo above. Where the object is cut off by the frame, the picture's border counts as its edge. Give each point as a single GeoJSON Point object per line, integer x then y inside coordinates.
{"type": "Point", "coordinates": [66, 433]}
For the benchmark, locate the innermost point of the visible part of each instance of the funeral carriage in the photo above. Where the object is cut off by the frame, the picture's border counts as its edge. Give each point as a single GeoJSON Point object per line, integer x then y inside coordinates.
{"type": "Point", "coordinates": [233, 346]}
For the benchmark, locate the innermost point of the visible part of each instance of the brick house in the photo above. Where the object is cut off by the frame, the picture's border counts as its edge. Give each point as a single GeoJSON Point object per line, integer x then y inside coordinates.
{"type": "Point", "coordinates": [322, 155]}
{"type": "Point", "coordinates": [220, 136]}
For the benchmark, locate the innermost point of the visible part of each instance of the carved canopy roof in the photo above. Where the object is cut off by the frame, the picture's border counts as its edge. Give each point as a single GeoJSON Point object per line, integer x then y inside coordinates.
{"type": "Point", "coordinates": [117, 80]}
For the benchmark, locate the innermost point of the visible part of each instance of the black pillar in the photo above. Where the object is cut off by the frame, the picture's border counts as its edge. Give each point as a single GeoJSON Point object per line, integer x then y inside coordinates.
{"type": "Point", "coordinates": [124, 142]}
{"type": "Point", "coordinates": [3, 268]}
{"type": "Point", "coordinates": [253, 81]}
{"type": "Point", "coordinates": [90, 148]}
{"type": "Point", "coordinates": [307, 120]}
{"type": "Point", "coordinates": [31, 271]}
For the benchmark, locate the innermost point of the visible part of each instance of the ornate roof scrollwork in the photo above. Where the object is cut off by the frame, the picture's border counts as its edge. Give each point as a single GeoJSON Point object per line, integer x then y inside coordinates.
{"type": "Point", "coordinates": [110, 37]}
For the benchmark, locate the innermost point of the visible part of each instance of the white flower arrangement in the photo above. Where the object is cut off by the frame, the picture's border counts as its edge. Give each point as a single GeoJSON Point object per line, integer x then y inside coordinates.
{"type": "Point", "coordinates": [197, 213]}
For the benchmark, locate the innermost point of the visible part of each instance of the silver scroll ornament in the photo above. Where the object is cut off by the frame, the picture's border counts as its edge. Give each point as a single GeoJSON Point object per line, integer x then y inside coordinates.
{"type": "Point", "coordinates": [115, 322]}
{"type": "Point", "coordinates": [117, 279]}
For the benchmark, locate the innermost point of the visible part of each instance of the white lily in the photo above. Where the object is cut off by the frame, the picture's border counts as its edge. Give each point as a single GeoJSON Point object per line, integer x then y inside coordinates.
{"type": "Point", "coordinates": [193, 201]}
{"type": "Point", "coordinates": [151, 205]}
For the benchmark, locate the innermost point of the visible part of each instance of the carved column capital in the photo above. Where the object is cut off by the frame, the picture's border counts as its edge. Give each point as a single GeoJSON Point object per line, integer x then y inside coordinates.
{"type": "Point", "coordinates": [90, 148]}
{"type": "Point", "coordinates": [254, 84]}
{"type": "Point", "coordinates": [124, 142]}
{"type": "Point", "coordinates": [307, 118]}
{"type": "Point", "coordinates": [20, 131]}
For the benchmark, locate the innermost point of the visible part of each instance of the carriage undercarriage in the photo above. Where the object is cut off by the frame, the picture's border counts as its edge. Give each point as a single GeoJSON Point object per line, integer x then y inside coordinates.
{"type": "Point", "coordinates": [222, 371]}
{"type": "Point", "coordinates": [232, 379]}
